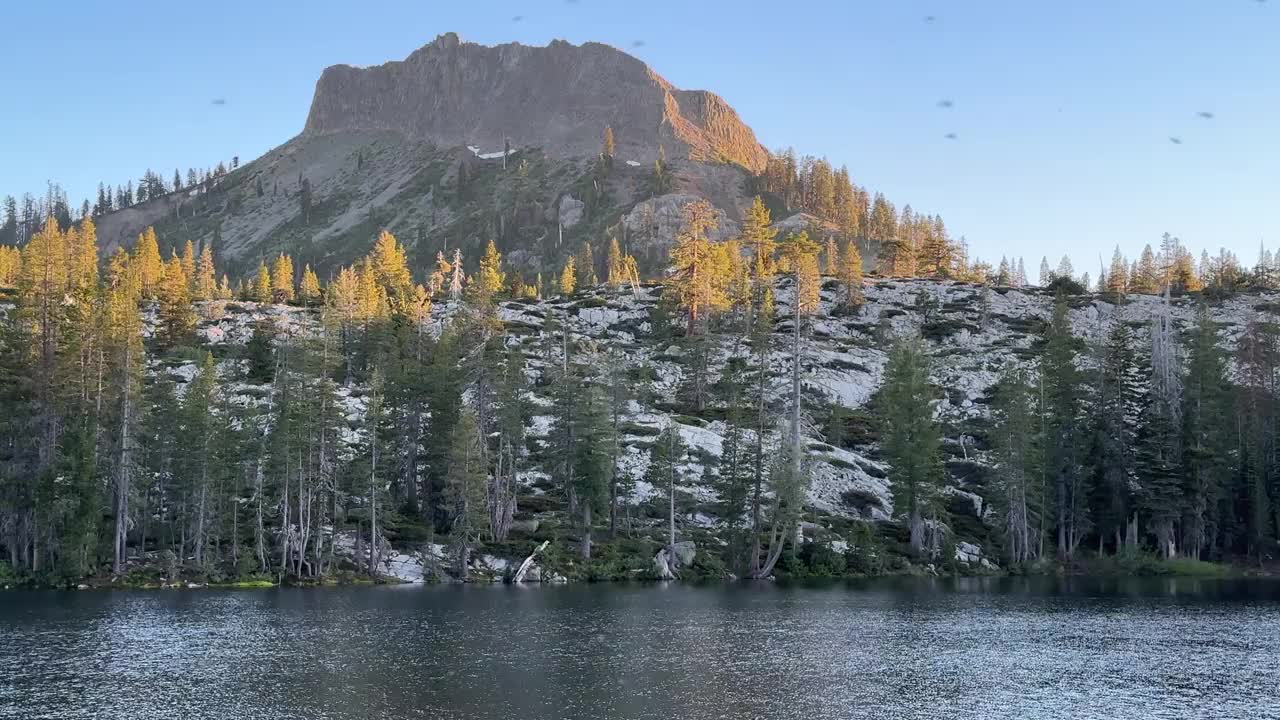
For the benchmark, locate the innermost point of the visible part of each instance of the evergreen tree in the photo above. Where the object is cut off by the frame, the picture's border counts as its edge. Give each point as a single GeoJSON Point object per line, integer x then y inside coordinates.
{"type": "Point", "coordinates": [147, 262]}
{"type": "Point", "coordinates": [1145, 279]}
{"type": "Point", "coordinates": [912, 438]}
{"type": "Point", "coordinates": [1063, 431]}
{"type": "Point", "coordinates": [584, 266]}
{"type": "Point", "coordinates": [205, 284]}
{"type": "Point", "coordinates": [309, 289]}
{"type": "Point", "coordinates": [666, 472]}
{"type": "Point", "coordinates": [177, 316]}
{"type": "Point", "coordinates": [489, 281]}
{"type": "Point", "coordinates": [261, 290]}
{"type": "Point", "coordinates": [850, 274]}
{"type": "Point", "coordinates": [568, 277]}
{"type": "Point", "coordinates": [1206, 441]}
{"type": "Point", "coordinates": [465, 488]}
{"type": "Point", "coordinates": [1017, 454]}
{"type": "Point", "coordinates": [282, 290]}
{"type": "Point", "coordinates": [697, 279]}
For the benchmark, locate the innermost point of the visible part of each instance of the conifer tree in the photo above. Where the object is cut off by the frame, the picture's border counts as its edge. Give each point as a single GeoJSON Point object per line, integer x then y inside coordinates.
{"type": "Point", "coordinates": [912, 439]}
{"type": "Point", "coordinates": [617, 274]}
{"type": "Point", "coordinates": [146, 260]}
{"type": "Point", "coordinates": [1117, 283]}
{"type": "Point", "coordinates": [850, 274]}
{"type": "Point", "coordinates": [205, 285]}
{"type": "Point", "coordinates": [513, 416]}
{"type": "Point", "coordinates": [309, 289]}
{"type": "Point", "coordinates": [489, 279]}
{"type": "Point", "coordinates": [584, 266]}
{"type": "Point", "coordinates": [607, 148]}
{"type": "Point", "coordinates": [758, 238]}
{"type": "Point", "coordinates": [465, 488]}
{"type": "Point", "coordinates": [697, 279]}
{"type": "Point", "coordinates": [665, 471]}
{"type": "Point", "coordinates": [177, 316]}
{"type": "Point", "coordinates": [568, 277]}
{"type": "Point", "coordinates": [1064, 442]}
{"type": "Point", "coordinates": [282, 290]}
{"type": "Point", "coordinates": [188, 260]}
{"type": "Point", "coordinates": [831, 257]}
{"type": "Point", "coordinates": [1017, 455]}
{"type": "Point", "coordinates": [1207, 443]}
{"type": "Point", "coordinates": [261, 289]}
{"type": "Point", "coordinates": [1146, 274]}
{"type": "Point", "coordinates": [1119, 396]}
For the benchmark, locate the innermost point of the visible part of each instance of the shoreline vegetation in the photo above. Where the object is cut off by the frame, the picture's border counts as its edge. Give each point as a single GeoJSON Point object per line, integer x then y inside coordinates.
{"type": "Point", "coordinates": [759, 411]}
{"type": "Point", "coordinates": [1125, 566]}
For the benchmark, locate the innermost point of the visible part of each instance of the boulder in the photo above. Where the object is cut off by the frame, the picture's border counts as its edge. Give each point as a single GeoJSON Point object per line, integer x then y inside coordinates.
{"type": "Point", "coordinates": [571, 210]}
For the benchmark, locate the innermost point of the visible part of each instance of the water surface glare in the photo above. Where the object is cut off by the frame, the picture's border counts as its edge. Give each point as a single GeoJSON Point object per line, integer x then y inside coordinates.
{"type": "Point", "coordinates": [991, 648]}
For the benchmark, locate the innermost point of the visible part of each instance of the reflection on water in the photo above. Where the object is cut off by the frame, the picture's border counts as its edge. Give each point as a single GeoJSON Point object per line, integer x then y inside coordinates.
{"type": "Point", "coordinates": [970, 648]}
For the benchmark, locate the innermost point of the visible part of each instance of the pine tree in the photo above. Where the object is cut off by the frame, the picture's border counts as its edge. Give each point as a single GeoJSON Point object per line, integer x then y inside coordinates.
{"type": "Point", "coordinates": [1145, 279]}
{"type": "Point", "coordinates": [1018, 464]}
{"type": "Point", "coordinates": [1004, 276]}
{"type": "Point", "coordinates": [697, 279]}
{"type": "Point", "coordinates": [584, 266]}
{"type": "Point", "coordinates": [912, 439]}
{"type": "Point", "coordinates": [188, 260]}
{"type": "Point", "coordinates": [1257, 359]}
{"type": "Point", "coordinates": [617, 274]}
{"type": "Point", "coordinates": [1062, 426]}
{"type": "Point", "coordinates": [205, 284]}
{"type": "Point", "coordinates": [176, 314]}
{"type": "Point", "coordinates": [489, 280]}
{"type": "Point", "coordinates": [388, 262]}
{"type": "Point", "coordinates": [1207, 444]}
{"type": "Point", "coordinates": [758, 237]}
{"type": "Point", "coordinates": [197, 441]}
{"type": "Point", "coordinates": [831, 257]}
{"type": "Point", "coordinates": [261, 290]}
{"type": "Point", "coordinates": [1117, 283]}
{"type": "Point", "coordinates": [607, 147]}
{"type": "Point", "coordinates": [850, 274]}
{"type": "Point", "coordinates": [282, 290]}
{"type": "Point", "coordinates": [1119, 397]}
{"type": "Point", "coordinates": [465, 488]}
{"type": "Point", "coordinates": [513, 416]}
{"type": "Point", "coordinates": [146, 259]}
{"type": "Point", "coordinates": [568, 277]}
{"type": "Point", "coordinates": [309, 289]}
{"type": "Point", "coordinates": [666, 472]}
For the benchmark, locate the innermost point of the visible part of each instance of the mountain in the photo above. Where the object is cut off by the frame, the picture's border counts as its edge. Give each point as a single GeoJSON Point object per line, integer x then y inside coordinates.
{"type": "Point", "coordinates": [558, 98]}
{"type": "Point", "coordinates": [416, 147]}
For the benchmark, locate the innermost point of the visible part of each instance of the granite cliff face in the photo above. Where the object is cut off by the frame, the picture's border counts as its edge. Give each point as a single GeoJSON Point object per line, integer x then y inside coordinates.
{"type": "Point", "coordinates": [415, 147]}
{"type": "Point", "coordinates": [558, 98]}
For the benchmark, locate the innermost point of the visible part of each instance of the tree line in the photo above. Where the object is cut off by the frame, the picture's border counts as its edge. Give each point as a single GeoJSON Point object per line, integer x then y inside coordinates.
{"type": "Point", "coordinates": [299, 451]}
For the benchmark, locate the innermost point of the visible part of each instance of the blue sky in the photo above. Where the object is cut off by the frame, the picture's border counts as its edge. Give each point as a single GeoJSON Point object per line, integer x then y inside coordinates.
{"type": "Point", "coordinates": [1063, 111]}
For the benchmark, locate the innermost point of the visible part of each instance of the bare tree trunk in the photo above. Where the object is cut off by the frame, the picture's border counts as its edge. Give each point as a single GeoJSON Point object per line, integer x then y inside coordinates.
{"type": "Point", "coordinates": [124, 476]}
{"type": "Point", "coordinates": [528, 562]}
{"type": "Point", "coordinates": [586, 531]}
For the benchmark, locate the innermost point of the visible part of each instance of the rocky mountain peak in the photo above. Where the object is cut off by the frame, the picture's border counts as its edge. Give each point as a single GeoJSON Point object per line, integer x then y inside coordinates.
{"type": "Point", "coordinates": [559, 98]}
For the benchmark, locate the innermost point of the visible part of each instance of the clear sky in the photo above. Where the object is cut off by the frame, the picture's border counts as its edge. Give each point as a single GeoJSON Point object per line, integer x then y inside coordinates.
{"type": "Point", "coordinates": [1063, 111]}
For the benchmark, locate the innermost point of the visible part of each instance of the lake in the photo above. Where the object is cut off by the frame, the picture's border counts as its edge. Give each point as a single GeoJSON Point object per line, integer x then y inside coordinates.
{"type": "Point", "coordinates": [902, 648]}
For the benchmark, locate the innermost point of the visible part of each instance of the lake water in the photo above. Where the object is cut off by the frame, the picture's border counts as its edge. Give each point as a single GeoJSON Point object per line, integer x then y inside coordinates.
{"type": "Point", "coordinates": [993, 648]}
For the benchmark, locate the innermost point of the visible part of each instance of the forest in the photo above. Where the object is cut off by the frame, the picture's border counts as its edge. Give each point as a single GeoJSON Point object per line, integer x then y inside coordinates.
{"type": "Point", "coordinates": [1151, 442]}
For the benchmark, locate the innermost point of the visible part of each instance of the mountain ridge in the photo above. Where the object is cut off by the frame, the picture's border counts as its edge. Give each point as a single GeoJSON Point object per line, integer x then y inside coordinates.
{"type": "Point", "coordinates": [559, 97]}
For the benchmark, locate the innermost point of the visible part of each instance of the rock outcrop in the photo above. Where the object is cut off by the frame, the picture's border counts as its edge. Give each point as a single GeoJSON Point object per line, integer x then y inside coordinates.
{"type": "Point", "coordinates": [558, 98]}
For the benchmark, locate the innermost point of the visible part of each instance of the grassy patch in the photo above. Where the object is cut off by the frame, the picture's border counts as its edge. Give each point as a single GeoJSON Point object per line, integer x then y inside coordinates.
{"type": "Point", "coordinates": [1148, 565]}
